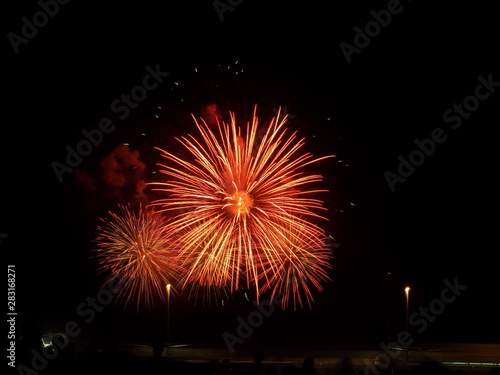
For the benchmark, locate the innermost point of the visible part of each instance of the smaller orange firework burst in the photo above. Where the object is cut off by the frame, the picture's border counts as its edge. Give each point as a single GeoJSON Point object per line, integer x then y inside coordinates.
{"type": "Point", "coordinates": [133, 246]}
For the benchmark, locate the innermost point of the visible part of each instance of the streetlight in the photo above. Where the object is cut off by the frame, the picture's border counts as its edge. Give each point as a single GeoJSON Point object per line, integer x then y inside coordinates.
{"type": "Point", "coordinates": [168, 313]}
{"type": "Point", "coordinates": [407, 292]}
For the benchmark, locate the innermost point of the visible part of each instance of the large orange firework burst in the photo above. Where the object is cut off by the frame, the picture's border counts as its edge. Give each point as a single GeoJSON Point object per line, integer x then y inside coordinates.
{"type": "Point", "coordinates": [134, 247]}
{"type": "Point", "coordinates": [246, 210]}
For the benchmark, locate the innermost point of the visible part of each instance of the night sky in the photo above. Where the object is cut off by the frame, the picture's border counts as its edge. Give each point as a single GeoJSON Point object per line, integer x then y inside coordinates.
{"type": "Point", "coordinates": [439, 222]}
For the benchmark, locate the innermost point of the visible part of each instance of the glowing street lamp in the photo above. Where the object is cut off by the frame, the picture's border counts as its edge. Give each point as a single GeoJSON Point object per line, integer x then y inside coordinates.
{"type": "Point", "coordinates": [168, 313]}
{"type": "Point", "coordinates": [407, 292]}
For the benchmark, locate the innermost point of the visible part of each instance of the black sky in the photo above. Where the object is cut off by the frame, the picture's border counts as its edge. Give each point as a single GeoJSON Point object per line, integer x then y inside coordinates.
{"type": "Point", "coordinates": [438, 224]}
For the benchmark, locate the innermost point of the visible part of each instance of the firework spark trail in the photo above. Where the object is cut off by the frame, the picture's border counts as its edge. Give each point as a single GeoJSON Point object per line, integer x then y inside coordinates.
{"type": "Point", "coordinates": [135, 247]}
{"type": "Point", "coordinates": [245, 215]}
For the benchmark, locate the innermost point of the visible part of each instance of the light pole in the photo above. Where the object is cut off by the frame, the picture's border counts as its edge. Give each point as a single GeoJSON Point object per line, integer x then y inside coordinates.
{"type": "Point", "coordinates": [168, 314]}
{"type": "Point", "coordinates": [407, 292]}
